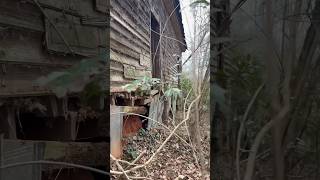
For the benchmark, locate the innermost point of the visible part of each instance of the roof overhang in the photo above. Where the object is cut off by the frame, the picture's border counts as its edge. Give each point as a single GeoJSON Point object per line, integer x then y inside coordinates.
{"type": "Point", "coordinates": [176, 19]}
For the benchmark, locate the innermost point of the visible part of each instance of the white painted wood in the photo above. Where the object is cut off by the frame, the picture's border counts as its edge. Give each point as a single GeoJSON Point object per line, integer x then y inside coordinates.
{"type": "Point", "coordinates": [116, 121]}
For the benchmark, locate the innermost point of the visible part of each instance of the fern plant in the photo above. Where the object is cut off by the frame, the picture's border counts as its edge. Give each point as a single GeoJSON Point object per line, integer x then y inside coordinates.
{"type": "Point", "coordinates": [173, 94]}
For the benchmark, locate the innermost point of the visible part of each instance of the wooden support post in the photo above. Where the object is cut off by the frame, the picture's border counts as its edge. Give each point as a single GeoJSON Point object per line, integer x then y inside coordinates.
{"type": "Point", "coordinates": [116, 120]}
{"type": "Point", "coordinates": [156, 112]}
{"type": "Point", "coordinates": [54, 106]}
{"type": "Point", "coordinates": [11, 122]}
{"type": "Point", "coordinates": [1, 155]}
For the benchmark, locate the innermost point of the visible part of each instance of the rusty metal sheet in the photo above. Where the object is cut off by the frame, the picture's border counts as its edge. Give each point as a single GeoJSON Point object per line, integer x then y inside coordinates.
{"type": "Point", "coordinates": [132, 125]}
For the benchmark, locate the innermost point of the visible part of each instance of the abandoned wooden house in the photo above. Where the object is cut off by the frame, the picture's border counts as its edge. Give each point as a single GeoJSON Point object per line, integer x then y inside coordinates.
{"type": "Point", "coordinates": [146, 39]}
{"type": "Point", "coordinates": [38, 37]}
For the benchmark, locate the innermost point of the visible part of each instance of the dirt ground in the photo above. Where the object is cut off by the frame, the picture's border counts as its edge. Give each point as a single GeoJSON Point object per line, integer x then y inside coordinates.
{"type": "Point", "coordinates": [175, 160]}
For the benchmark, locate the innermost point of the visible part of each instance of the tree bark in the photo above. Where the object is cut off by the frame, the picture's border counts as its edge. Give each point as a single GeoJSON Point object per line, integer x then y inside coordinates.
{"type": "Point", "coordinates": [273, 83]}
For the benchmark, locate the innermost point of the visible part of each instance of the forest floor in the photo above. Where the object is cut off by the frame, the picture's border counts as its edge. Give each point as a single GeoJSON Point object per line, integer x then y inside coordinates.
{"type": "Point", "coordinates": [175, 161]}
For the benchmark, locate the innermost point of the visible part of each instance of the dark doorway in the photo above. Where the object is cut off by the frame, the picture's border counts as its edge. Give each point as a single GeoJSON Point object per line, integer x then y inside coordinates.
{"type": "Point", "coordinates": [155, 48]}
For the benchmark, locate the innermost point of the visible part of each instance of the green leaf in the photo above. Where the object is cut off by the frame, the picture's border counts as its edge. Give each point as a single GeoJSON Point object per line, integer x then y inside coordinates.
{"type": "Point", "coordinates": [133, 153]}
{"type": "Point", "coordinates": [144, 84]}
{"type": "Point", "coordinates": [174, 94]}
{"type": "Point", "coordinates": [75, 78]}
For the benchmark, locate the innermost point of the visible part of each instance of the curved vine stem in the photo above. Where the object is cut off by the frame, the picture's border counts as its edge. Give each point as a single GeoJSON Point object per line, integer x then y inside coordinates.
{"type": "Point", "coordinates": [253, 99]}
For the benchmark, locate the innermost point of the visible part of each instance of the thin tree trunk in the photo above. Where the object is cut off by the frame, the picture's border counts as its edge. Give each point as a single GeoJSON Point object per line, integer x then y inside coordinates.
{"type": "Point", "coordinates": [273, 75]}
{"type": "Point", "coordinates": [256, 143]}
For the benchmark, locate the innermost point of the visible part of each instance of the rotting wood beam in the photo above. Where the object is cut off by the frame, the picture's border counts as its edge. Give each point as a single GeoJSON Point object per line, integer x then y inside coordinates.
{"type": "Point", "coordinates": [11, 122]}
{"type": "Point", "coordinates": [135, 109]}
{"type": "Point", "coordinates": [118, 90]}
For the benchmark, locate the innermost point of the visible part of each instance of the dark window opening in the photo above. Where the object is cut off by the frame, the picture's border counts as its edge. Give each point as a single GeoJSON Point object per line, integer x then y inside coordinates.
{"type": "Point", "coordinates": [122, 100]}
{"type": "Point", "coordinates": [31, 126]}
{"type": "Point", "coordinates": [146, 121]}
{"type": "Point", "coordinates": [90, 131]}
{"type": "Point", "coordinates": [155, 47]}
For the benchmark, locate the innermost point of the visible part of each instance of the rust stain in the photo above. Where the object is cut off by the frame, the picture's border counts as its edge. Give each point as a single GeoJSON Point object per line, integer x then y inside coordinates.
{"type": "Point", "coordinates": [131, 125]}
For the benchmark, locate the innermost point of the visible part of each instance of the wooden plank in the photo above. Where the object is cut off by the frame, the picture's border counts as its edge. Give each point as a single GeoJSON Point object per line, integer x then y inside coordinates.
{"type": "Point", "coordinates": [152, 113]}
{"type": "Point", "coordinates": [135, 109]}
{"type": "Point", "coordinates": [145, 59]}
{"type": "Point", "coordinates": [84, 153]}
{"type": "Point", "coordinates": [53, 106]}
{"type": "Point", "coordinates": [61, 4]}
{"type": "Point", "coordinates": [130, 29]}
{"type": "Point", "coordinates": [21, 16]}
{"type": "Point", "coordinates": [102, 5]}
{"type": "Point", "coordinates": [17, 152]}
{"type": "Point", "coordinates": [131, 72]}
{"type": "Point", "coordinates": [118, 31]}
{"type": "Point", "coordinates": [155, 112]}
{"type": "Point", "coordinates": [12, 122]}
{"type": "Point", "coordinates": [124, 49]}
{"type": "Point", "coordinates": [18, 23]}
{"type": "Point", "coordinates": [115, 56]}
{"type": "Point", "coordinates": [127, 14]}
{"type": "Point", "coordinates": [132, 17]}
{"type": "Point", "coordinates": [117, 90]}
{"type": "Point", "coordinates": [82, 40]}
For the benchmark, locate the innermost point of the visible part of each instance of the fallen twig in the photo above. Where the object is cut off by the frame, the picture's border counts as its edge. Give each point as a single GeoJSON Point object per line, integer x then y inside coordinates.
{"type": "Point", "coordinates": [162, 145]}
{"type": "Point", "coordinates": [119, 166]}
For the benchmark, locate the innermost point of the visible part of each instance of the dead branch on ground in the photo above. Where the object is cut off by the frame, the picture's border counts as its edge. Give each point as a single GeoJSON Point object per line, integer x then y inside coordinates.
{"type": "Point", "coordinates": [161, 146]}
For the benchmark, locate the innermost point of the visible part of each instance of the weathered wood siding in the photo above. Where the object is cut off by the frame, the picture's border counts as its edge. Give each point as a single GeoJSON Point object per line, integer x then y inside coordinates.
{"type": "Point", "coordinates": [130, 39]}
{"type": "Point", "coordinates": [31, 47]}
